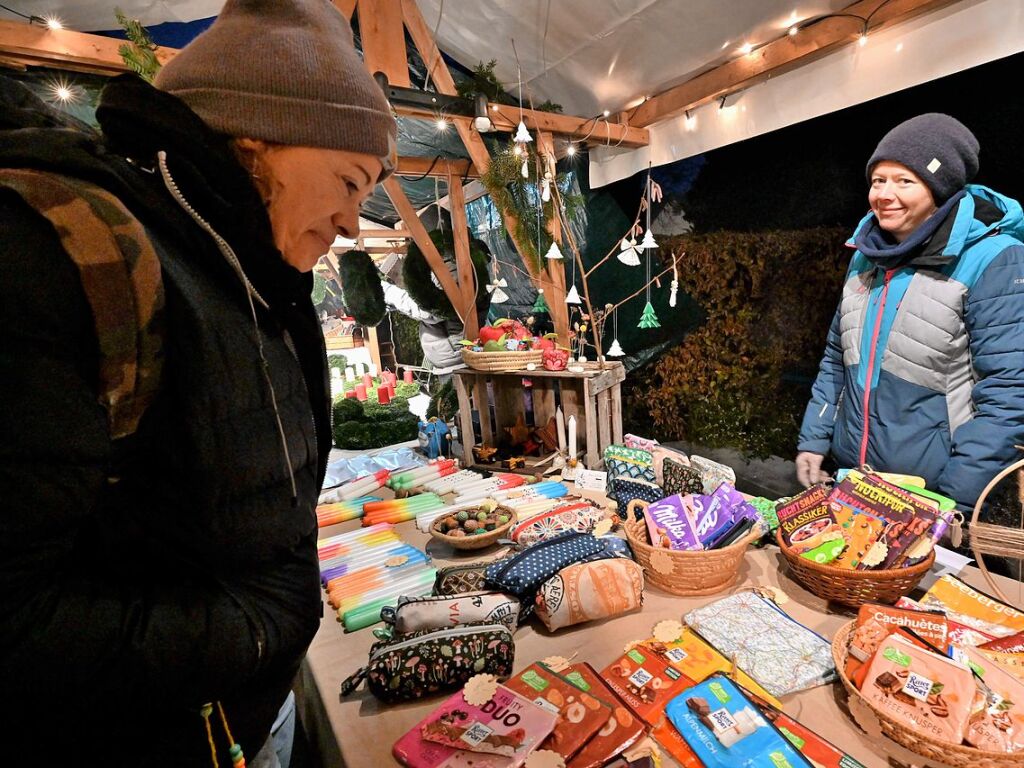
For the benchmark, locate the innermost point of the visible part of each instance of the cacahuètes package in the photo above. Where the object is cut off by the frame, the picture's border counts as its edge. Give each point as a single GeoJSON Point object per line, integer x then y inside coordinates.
{"type": "Point", "coordinates": [696, 659]}
{"type": "Point", "coordinates": [621, 730]}
{"type": "Point", "coordinates": [724, 728]}
{"type": "Point", "coordinates": [876, 622]}
{"type": "Point", "coordinates": [645, 681]}
{"type": "Point", "coordinates": [587, 591]}
{"type": "Point", "coordinates": [927, 692]}
{"type": "Point", "coordinates": [421, 663]}
{"type": "Point", "coordinates": [500, 733]}
{"type": "Point", "coordinates": [413, 614]}
{"type": "Point", "coordinates": [580, 715]}
{"type": "Point", "coordinates": [959, 634]}
{"type": "Point", "coordinates": [783, 655]}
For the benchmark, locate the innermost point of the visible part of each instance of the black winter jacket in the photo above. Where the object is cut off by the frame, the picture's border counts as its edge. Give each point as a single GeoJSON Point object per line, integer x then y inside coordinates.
{"type": "Point", "coordinates": [142, 578]}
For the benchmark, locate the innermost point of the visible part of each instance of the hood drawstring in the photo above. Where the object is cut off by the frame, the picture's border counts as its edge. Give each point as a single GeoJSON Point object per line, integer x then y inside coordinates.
{"type": "Point", "coordinates": [251, 294]}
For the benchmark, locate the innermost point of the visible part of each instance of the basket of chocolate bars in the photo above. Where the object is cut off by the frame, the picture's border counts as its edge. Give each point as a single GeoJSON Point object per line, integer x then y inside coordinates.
{"type": "Point", "coordinates": [870, 538]}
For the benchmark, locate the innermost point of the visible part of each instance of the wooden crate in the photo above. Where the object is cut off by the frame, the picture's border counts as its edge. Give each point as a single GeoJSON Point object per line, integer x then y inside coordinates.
{"type": "Point", "coordinates": [594, 397]}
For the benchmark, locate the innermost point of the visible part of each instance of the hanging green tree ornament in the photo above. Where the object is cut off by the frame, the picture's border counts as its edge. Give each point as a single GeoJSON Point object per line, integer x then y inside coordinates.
{"type": "Point", "coordinates": [648, 319]}
{"type": "Point", "coordinates": [540, 305]}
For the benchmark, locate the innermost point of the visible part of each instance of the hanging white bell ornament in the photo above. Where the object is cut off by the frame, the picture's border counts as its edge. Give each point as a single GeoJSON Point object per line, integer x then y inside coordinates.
{"type": "Point", "coordinates": [673, 290]}
{"type": "Point", "coordinates": [615, 350]}
{"type": "Point", "coordinates": [573, 296]}
{"type": "Point", "coordinates": [498, 296]}
{"type": "Point", "coordinates": [554, 252]}
{"type": "Point", "coordinates": [545, 190]}
{"type": "Point", "coordinates": [525, 170]}
{"type": "Point", "coordinates": [629, 252]}
{"type": "Point", "coordinates": [648, 241]}
{"type": "Point", "coordinates": [522, 135]}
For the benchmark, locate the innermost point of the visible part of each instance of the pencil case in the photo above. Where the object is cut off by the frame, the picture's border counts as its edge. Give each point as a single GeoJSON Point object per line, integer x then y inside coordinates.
{"type": "Point", "coordinates": [414, 614]}
{"type": "Point", "coordinates": [587, 591]}
{"type": "Point", "coordinates": [581, 516]}
{"type": "Point", "coordinates": [422, 663]}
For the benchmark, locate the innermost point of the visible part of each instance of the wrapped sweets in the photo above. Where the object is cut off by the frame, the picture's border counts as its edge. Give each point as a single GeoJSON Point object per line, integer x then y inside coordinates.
{"type": "Point", "coordinates": [693, 522]}
{"type": "Point", "coordinates": [806, 523]}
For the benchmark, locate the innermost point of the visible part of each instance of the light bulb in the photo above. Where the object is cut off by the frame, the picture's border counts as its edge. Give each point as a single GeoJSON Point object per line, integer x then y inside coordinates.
{"type": "Point", "coordinates": [441, 124]}
{"type": "Point", "coordinates": [52, 22]}
{"type": "Point", "coordinates": [863, 40]}
{"type": "Point", "coordinates": [570, 150]}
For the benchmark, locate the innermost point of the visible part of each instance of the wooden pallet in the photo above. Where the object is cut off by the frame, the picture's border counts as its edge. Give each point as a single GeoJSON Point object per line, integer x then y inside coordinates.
{"type": "Point", "coordinates": [594, 397]}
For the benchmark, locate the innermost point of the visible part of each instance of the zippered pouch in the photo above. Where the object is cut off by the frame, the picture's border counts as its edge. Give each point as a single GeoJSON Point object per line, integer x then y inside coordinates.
{"type": "Point", "coordinates": [781, 654]}
{"type": "Point", "coordinates": [627, 463]}
{"type": "Point", "coordinates": [460, 579]}
{"type": "Point", "coordinates": [581, 517]}
{"type": "Point", "coordinates": [680, 479]}
{"type": "Point", "coordinates": [522, 574]}
{"type": "Point", "coordinates": [422, 663]}
{"type": "Point", "coordinates": [413, 614]}
{"type": "Point", "coordinates": [626, 491]}
{"type": "Point", "coordinates": [588, 591]}
{"type": "Point", "coordinates": [712, 473]}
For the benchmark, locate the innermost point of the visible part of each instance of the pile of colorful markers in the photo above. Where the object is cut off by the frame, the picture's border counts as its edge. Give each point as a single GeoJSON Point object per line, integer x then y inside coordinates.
{"type": "Point", "coordinates": [405, 481]}
{"type": "Point", "coordinates": [368, 569]}
{"type": "Point", "coordinates": [341, 511]}
{"type": "Point", "coordinates": [399, 510]}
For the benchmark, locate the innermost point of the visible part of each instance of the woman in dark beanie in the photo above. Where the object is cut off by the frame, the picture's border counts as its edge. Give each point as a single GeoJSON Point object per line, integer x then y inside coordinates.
{"type": "Point", "coordinates": [165, 422]}
{"type": "Point", "coordinates": [924, 367]}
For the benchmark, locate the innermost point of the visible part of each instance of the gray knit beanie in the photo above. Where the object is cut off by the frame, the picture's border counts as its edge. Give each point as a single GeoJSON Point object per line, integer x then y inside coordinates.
{"type": "Point", "coordinates": [940, 149]}
{"type": "Point", "coordinates": [283, 71]}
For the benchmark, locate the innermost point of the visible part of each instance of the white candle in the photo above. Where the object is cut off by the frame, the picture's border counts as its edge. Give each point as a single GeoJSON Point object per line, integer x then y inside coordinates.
{"type": "Point", "coordinates": [560, 424]}
{"type": "Point", "coordinates": [572, 437]}
{"type": "Point", "coordinates": [373, 370]}
{"type": "Point", "coordinates": [350, 374]}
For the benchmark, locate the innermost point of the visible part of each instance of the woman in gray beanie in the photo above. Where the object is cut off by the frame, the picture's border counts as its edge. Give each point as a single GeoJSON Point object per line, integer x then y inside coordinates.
{"type": "Point", "coordinates": [923, 372]}
{"type": "Point", "coordinates": [166, 421]}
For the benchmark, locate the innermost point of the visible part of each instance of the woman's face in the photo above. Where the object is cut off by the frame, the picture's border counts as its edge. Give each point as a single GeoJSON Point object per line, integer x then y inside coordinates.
{"type": "Point", "coordinates": [899, 199]}
{"type": "Point", "coordinates": [314, 195]}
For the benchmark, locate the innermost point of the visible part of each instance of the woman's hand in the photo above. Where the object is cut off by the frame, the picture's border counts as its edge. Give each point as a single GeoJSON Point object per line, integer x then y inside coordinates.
{"type": "Point", "coordinates": [808, 469]}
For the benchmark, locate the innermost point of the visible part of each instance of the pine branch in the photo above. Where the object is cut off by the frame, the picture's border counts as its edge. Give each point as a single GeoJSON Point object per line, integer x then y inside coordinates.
{"type": "Point", "coordinates": [139, 53]}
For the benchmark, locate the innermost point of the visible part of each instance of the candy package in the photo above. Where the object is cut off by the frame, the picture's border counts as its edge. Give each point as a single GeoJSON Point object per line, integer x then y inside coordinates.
{"type": "Point", "coordinates": [698, 660]}
{"type": "Point", "coordinates": [927, 692]}
{"type": "Point", "coordinates": [725, 729]}
{"type": "Point", "coordinates": [645, 681]}
{"type": "Point", "coordinates": [580, 715]}
{"type": "Point", "coordinates": [1007, 651]}
{"type": "Point", "coordinates": [497, 734]}
{"type": "Point", "coordinates": [959, 634]}
{"type": "Point", "coordinates": [967, 605]}
{"type": "Point", "coordinates": [783, 655]}
{"type": "Point", "coordinates": [860, 532]}
{"type": "Point", "coordinates": [997, 717]}
{"type": "Point", "coordinates": [670, 525]}
{"type": "Point", "coordinates": [621, 730]}
{"type": "Point", "coordinates": [805, 521]}
{"type": "Point", "coordinates": [715, 514]}
{"type": "Point", "coordinates": [876, 622]}
{"type": "Point", "coordinates": [669, 738]}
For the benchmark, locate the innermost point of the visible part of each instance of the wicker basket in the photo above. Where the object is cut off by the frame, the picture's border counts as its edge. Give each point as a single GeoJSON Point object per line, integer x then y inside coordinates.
{"type": "Point", "coordinates": [918, 743]}
{"type": "Point", "coordinates": [473, 542]}
{"type": "Point", "coordinates": [854, 588]}
{"type": "Point", "coordinates": [498, 362]}
{"type": "Point", "coordinates": [684, 573]}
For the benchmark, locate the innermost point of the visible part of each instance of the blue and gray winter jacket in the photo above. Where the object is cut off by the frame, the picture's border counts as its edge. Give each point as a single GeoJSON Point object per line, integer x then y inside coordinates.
{"type": "Point", "coordinates": [923, 370]}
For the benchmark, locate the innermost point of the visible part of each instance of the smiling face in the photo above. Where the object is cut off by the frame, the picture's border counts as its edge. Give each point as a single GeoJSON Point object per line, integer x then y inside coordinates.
{"type": "Point", "coordinates": [312, 195]}
{"type": "Point", "coordinates": [899, 199]}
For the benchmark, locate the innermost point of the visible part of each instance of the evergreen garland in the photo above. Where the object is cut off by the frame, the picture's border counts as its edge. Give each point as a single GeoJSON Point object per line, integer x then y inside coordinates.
{"type": "Point", "coordinates": [139, 53]}
{"type": "Point", "coordinates": [361, 289]}
{"type": "Point", "coordinates": [418, 276]}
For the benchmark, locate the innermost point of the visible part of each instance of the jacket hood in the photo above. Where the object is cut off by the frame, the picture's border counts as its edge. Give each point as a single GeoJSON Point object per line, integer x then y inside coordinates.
{"type": "Point", "coordinates": [978, 213]}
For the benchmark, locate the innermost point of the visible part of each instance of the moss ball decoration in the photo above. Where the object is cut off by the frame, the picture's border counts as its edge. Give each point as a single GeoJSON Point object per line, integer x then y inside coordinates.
{"type": "Point", "coordinates": [418, 277]}
{"type": "Point", "coordinates": [361, 289]}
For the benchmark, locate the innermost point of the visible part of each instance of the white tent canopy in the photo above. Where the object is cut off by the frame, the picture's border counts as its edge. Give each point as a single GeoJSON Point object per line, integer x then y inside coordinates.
{"type": "Point", "coordinates": [594, 56]}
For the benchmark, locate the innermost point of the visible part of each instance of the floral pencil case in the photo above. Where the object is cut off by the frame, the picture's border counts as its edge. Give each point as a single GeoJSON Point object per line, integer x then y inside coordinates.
{"type": "Point", "coordinates": [781, 654]}
{"type": "Point", "coordinates": [581, 516]}
{"type": "Point", "coordinates": [681, 479]}
{"type": "Point", "coordinates": [413, 614]}
{"type": "Point", "coordinates": [712, 473]}
{"type": "Point", "coordinates": [422, 663]}
{"type": "Point", "coordinates": [627, 463]}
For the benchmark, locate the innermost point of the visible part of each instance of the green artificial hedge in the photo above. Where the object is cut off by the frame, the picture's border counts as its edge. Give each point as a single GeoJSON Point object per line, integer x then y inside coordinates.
{"type": "Point", "coordinates": [416, 274]}
{"type": "Point", "coordinates": [361, 289]}
{"type": "Point", "coordinates": [361, 426]}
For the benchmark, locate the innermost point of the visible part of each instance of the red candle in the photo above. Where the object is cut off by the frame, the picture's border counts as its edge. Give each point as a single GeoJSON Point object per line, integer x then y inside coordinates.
{"type": "Point", "coordinates": [407, 378]}
{"type": "Point", "coordinates": [391, 389]}
{"type": "Point", "coordinates": [351, 393]}
{"type": "Point", "coordinates": [383, 396]}
{"type": "Point", "coordinates": [360, 392]}
{"type": "Point", "coordinates": [367, 381]}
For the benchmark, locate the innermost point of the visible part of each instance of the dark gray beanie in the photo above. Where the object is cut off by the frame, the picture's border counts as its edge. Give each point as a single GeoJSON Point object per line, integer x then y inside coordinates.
{"type": "Point", "coordinates": [283, 71]}
{"type": "Point", "coordinates": [940, 149]}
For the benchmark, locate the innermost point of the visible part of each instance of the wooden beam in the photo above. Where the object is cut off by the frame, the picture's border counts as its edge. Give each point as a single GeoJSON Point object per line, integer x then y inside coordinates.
{"type": "Point", "coordinates": [422, 239]}
{"type": "Point", "coordinates": [782, 55]}
{"type": "Point", "coordinates": [383, 38]}
{"type": "Point", "coordinates": [384, 234]}
{"type": "Point", "coordinates": [463, 260]}
{"type": "Point", "coordinates": [42, 47]}
{"type": "Point", "coordinates": [555, 267]}
{"type": "Point", "coordinates": [441, 168]}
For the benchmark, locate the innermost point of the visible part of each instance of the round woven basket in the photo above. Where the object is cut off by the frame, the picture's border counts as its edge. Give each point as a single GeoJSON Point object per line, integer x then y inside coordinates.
{"type": "Point", "coordinates": [918, 743]}
{"type": "Point", "coordinates": [472, 542]}
{"type": "Point", "coordinates": [854, 588]}
{"type": "Point", "coordinates": [684, 573]}
{"type": "Point", "coordinates": [496, 362]}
